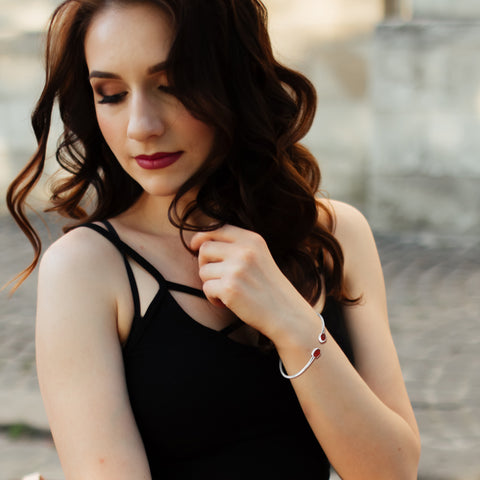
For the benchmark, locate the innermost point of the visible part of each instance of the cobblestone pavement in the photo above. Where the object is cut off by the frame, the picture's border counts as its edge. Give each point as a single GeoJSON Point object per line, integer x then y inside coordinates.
{"type": "Point", "coordinates": [434, 301]}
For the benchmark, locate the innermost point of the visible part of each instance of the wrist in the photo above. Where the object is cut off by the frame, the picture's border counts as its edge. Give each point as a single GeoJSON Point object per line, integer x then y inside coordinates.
{"type": "Point", "coordinates": [314, 355]}
{"type": "Point", "coordinates": [297, 329]}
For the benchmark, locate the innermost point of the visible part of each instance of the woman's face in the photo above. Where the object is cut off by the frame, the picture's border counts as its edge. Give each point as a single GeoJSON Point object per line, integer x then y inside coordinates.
{"type": "Point", "coordinates": [153, 136]}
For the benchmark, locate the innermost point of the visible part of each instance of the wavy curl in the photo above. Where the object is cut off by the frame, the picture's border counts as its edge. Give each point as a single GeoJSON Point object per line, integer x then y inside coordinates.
{"type": "Point", "coordinates": [258, 176]}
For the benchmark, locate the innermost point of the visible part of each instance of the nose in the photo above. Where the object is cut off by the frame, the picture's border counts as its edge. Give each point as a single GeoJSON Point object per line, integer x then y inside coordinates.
{"type": "Point", "coordinates": [145, 119]}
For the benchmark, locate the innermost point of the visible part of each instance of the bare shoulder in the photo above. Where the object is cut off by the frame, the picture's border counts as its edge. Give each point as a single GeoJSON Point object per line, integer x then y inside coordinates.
{"type": "Point", "coordinates": [80, 272]}
{"type": "Point", "coordinates": [351, 228]}
{"type": "Point", "coordinates": [79, 359]}
{"type": "Point", "coordinates": [367, 322]}
{"type": "Point", "coordinates": [77, 253]}
{"type": "Point", "coordinates": [352, 231]}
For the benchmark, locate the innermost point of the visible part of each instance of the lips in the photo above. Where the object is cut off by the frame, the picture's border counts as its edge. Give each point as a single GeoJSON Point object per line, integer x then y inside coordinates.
{"type": "Point", "coordinates": [158, 160]}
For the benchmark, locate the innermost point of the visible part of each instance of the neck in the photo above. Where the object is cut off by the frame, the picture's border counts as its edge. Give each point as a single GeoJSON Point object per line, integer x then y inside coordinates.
{"type": "Point", "coordinates": [150, 214]}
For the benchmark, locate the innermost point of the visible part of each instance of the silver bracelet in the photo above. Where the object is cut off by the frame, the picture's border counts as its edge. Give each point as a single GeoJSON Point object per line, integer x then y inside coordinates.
{"type": "Point", "coordinates": [316, 352]}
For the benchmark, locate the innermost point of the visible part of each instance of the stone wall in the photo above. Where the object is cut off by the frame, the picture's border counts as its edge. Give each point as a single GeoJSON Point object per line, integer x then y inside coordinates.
{"type": "Point", "coordinates": [445, 9]}
{"type": "Point", "coordinates": [329, 40]}
{"type": "Point", "coordinates": [397, 129]}
{"type": "Point", "coordinates": [425, 93]}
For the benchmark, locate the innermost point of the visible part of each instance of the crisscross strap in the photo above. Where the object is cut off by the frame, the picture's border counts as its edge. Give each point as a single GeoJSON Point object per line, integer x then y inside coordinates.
{"type": "Point", "coordinates": [131, 276]}
{"type": "Point", "coordinates": [111, 234]}
{"type": "Point", "coordinates": [235, 325]}
{"type": "Point", "coordinates": [184, 288]}
{"type": "Point", "coordinates": [127, 251]}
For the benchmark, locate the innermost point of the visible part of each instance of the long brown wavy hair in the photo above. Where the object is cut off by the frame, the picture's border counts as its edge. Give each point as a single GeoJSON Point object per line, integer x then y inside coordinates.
{"type": "Point", "coordinates": [257, 176]}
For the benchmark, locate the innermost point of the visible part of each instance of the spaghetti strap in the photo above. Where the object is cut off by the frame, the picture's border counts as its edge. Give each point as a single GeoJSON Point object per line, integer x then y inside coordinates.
{"type": "Point", "coordinates": [131, 276]}
{"type": "Point", "coordinates": [235, 325]}
{"type": "Point", "coordinates": [185, 289]}
{"type": "Point", "coordinates": [125, 249]}
{"type": "Point", "coordinates": [109, 232]}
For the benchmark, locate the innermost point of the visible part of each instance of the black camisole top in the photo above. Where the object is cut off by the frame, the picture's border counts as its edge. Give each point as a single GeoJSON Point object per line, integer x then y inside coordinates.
{"type": "Point", "coordinates": [207, 406]}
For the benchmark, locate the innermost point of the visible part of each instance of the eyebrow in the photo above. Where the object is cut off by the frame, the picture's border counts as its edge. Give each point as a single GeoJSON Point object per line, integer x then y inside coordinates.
{"type": "Point", "coordinates": [159, 67]}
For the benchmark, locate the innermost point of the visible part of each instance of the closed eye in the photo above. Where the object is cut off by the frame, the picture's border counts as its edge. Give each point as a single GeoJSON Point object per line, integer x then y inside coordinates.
{"type": "Point", "coordinates": [167, 89]}
{"type": "Point", "coordinates": [112, 98]}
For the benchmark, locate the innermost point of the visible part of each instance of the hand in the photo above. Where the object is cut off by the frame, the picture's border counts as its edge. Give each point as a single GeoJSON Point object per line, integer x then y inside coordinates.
{"type": "Point", "coordinates": [238, 271]}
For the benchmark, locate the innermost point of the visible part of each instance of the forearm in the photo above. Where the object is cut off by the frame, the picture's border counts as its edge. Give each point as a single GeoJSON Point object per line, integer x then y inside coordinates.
{"type": "Point", "coordinates": [361, 416]}
{"type": "Point", "coordinates": [362, 437]}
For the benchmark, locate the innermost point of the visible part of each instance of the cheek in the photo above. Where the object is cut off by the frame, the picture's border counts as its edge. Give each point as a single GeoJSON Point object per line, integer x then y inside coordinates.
{"type": "Point", "coordinates": [200, 134]}
{"type": "Point", "coordinates": [109, 129]}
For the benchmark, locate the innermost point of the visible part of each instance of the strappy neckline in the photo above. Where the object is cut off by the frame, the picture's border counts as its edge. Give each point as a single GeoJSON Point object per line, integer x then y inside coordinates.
{"type": "Point", "coordinates": [165, 286]}
{"type": "Point", "coordinates": [142, 261]}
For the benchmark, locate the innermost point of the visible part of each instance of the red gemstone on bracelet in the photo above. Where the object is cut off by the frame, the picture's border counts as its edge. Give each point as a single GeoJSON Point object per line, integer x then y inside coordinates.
{"type": "Point", "coordinates": [316, 353]}
{"type": "Point", "coordinates": [323, 338]}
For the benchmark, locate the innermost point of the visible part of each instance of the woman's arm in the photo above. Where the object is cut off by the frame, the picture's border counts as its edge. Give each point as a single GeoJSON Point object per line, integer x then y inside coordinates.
{"type": "Point", "coordinates": [79, 361]}
{"type": "Point", "coordinates": [362, 417]}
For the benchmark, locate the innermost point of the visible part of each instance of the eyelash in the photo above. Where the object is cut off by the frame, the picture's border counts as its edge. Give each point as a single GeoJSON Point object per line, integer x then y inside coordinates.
{"type": "Point", "coordinates": [113, 99]}
{"type": "Point", "coordinates": [167, 89]}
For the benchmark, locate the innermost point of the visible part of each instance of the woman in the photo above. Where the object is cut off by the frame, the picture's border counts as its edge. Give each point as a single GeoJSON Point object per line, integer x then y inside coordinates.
{"type": "Point", "coordinates": [181, 144]}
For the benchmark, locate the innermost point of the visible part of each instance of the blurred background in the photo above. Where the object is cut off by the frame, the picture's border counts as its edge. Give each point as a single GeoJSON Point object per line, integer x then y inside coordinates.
{"type": "Point", "coordinates": [397, 134]}
{"type": "Point", "coordinates": [399, 101]}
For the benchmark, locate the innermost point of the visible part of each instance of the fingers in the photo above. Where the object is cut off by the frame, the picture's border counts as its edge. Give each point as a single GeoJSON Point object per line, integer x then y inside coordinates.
{"type": "Point", "coordinates": [211, 271]}
{"type": "Point", "coordinates": [213, 291]}
{"type": "Point", "coordinates": [211, 262]}
{"type": "Point", "coordinates": [227, 234]}
{"type": "Point", "coordinates": [231, 260]}
{"type": "Point", "coordinates": [213, 246]}
{"type": "Point", "coordinates": [212, 252]}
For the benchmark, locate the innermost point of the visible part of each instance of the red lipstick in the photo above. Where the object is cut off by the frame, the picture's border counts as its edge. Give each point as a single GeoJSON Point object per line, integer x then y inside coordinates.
{"type": "Point", "coordinates": [158, 160]}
